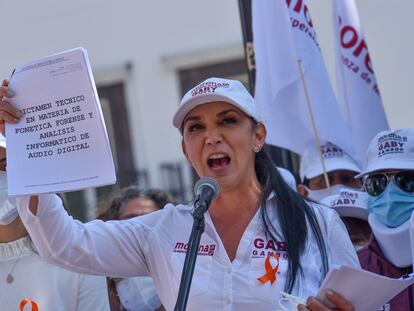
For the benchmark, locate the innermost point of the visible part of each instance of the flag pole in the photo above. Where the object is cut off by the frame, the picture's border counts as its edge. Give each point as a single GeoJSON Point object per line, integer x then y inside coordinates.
{"type": "Point", "coordinates": [245, 9]}
{"type": "Point", "coordinates": [314, 129]}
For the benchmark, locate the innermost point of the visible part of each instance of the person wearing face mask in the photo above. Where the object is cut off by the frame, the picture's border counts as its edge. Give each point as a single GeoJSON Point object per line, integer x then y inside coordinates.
{"type": "Point", "coordinates": [351, 205]}
{"type": "Point", "coordinates": [136, 293]}
{"type": "Point", "coordinates": [341, 170]}
{"type": "Point", "coordinates": [29, 282]}
{"type": "Point", "coordinates": [389, 181]}
{"type": "Point", "coordinates": [340, 167]}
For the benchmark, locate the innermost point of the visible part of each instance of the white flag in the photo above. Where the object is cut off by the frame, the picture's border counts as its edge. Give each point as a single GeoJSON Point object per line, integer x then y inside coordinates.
{"type": "Point", "coordinates": [358, 93]}
{"type": "Point", "coordinates": [283, 33]}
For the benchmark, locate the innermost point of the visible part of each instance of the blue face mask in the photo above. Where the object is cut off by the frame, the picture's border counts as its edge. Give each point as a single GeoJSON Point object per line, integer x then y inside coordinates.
{"type": "Point", "coordinates": [393, 207]}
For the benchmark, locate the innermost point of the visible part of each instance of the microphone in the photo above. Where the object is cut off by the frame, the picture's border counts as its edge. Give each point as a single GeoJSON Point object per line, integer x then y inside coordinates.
{"type": "Point", "coordinates": [206, 189]}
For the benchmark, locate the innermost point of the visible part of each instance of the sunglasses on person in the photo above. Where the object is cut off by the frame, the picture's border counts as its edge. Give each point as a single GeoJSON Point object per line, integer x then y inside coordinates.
{"type": "Point", "coordinates": [375, 184]}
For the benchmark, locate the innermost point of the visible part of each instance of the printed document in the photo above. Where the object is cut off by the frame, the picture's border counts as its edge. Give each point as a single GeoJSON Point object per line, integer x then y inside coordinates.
{"type": "Point", "coordinates": [61, 143]}
{"type": "Point", "coordinates": [367, 291]}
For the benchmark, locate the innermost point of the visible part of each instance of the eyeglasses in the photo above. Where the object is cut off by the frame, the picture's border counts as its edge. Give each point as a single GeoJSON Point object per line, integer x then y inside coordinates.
{"type": "Point", "coordinates": [375, 184]}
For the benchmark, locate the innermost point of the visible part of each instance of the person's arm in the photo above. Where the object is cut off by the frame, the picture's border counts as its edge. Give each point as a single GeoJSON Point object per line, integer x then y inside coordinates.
{"type": "Point", "coordinates": [113, 248]}
{"type": "Point", "coordinates": [93, 248]}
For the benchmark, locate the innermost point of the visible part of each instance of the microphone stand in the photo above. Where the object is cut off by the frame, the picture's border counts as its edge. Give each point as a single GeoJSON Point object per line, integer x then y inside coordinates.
{"type": "Point", "coordinates": [191, 256]}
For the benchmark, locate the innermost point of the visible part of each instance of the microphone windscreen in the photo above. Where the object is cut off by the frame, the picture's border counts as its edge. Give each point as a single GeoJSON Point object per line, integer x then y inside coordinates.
{"type": "Point", "coordinates": [207, 182]}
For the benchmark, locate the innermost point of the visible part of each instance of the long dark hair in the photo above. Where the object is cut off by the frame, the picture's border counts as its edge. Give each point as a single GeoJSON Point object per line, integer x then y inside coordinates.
{"type": "Point", "coordinates": [294, 214]}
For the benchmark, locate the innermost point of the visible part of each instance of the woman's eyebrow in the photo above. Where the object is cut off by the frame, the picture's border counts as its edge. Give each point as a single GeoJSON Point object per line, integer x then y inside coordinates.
{"type": "Point", "coordinates": [198, 118]}
{"type": "Point", "coordinates": [220, 114]}
{"type": "Point", "coordinates": [192, 118]}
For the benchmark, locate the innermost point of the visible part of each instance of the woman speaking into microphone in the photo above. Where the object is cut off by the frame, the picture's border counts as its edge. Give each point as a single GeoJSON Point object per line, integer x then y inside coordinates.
{"type": "Point", "coordinates": [260, 236]}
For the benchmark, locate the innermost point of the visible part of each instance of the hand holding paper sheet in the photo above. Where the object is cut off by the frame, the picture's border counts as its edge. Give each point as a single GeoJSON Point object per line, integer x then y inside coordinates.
{"type": "Point", "coordinates": [367, 291]}
{"type": "Point", "coordinates": [60, 144]}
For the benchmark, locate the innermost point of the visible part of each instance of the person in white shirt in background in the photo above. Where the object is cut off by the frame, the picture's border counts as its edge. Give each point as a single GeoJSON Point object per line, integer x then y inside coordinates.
{"type": "Point", "coordinates": [29, 282]}
{"type": "Point", "coordinates": [340, 167]}
{"type": "Point", "coordinates": [138, 293]}
{"type": "Point", "coordinates": [260, 236]}
{"type": "Point", "coordinates": [351, 205]}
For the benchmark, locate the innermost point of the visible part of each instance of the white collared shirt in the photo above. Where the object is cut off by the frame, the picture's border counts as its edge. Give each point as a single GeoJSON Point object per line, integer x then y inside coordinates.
{"type": "Point", "coordinates": [46, 285]}
{"type": "Point", "coordinates": [155, 245]}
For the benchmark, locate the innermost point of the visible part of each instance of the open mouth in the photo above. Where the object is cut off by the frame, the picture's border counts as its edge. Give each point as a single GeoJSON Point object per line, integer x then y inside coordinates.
{"type": "Point", "coordinates": [218, 161]}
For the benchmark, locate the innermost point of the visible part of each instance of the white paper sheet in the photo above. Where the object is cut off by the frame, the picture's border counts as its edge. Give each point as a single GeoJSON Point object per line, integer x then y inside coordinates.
{"type": "Point", "coordinates": [61, 143]}
{"type": "Point", "coordinates": [366, 290]}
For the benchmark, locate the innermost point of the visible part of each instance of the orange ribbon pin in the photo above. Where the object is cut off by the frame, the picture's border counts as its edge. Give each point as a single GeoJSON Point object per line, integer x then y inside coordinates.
{"type": "Point", "coordinates": [25, 301]}
{"type": "Point", "coordinates": [270, 274]}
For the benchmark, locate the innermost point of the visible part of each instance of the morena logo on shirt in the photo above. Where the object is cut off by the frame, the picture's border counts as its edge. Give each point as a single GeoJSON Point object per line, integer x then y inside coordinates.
{"type": "Point", "coordinates": [203, 249]}
{"type": "Point", "coordinates": [263, 248]}
{"type": "Point", "coordinates": [208, 87]}
{"type": "Point", "coordinates": [331, 151]}
{"type": "Point", "coordinates": [391, 144]}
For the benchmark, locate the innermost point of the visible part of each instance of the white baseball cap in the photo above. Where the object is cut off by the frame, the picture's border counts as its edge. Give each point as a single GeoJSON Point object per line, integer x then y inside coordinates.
{"type": "Point", "coordinates": [217, 89]}
{"type": "Point", "coordinates": [349, 203]}
{"type": "Point", "coordinates": [391, 150]}
{"type": "Point", "coordinates": [334, 157]}
{"type": "Point", "coordinates": [2, 141]}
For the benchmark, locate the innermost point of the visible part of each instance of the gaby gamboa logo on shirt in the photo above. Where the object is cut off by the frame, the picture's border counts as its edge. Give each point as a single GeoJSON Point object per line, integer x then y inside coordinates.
{"type": "Point", "coordinates": [263, 248]}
